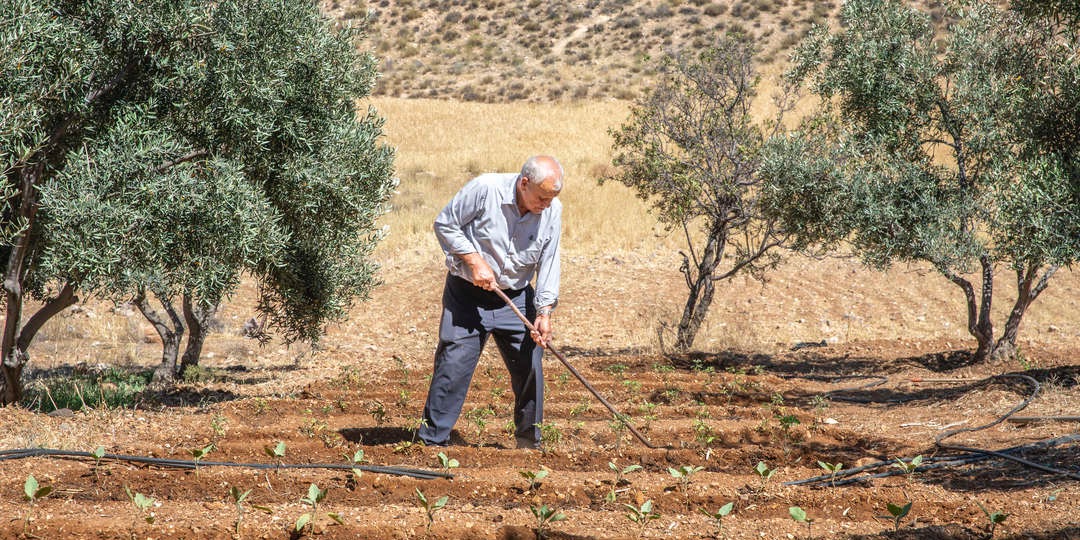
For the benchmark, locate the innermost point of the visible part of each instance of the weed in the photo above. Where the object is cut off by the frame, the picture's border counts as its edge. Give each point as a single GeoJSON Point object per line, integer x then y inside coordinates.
{"type": "Point", "coordinates": [534, 477]}
{"type": "Point", "coordinates": [632, 385]}
{"type": "Point", "coordinates": [404, 398]}
{"type": "Point", "coordinates": [703, 433]}
{"type": "Point", "coordinates": [430, 507]}
{"type": "Point", "coordinates": [33, 493]}
{"type": "Point", "coordinates": [719, 516]}
{"type": "Point", "coordinates": [218, 424]}
{"type": "Point", "coordinates": [898, 513]}
{"type": "Point", "coordinates": [642, 515]}
{"type": "Point", "coordinates": [313, 498]}
{"type": "Point", "coordinates": [377, 411]}
{"type": "Point", "coordinates": [478, 417]}
{"type": "Point", "coordinates": [238, 499]}
{"type": "Point", "coordinates": [616, 370]}
{"type": "Point", "coordinates": [198, 453]}
{"type": "Point", "coordinates": [550, 434]}
{"type": "Point", "coordinates": [995, 518]}
{"type": "Point", "coordinates": [112, 387]}
{"type": "Point", "coordinates": [447, 463]}
{"type": "Point", "coordinates": [582, 407]}
{"type": "Point", "coordinates": [545, 516]}
{"type": "Point", "coordinates": [799, 515]}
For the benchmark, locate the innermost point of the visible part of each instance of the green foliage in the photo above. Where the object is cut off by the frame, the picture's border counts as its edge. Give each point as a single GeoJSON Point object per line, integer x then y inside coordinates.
{"type": "Point", "coordinates": [691, 150]}
{"type": "Point", "coordinates": [799, 515]}
{"type": "Point", "coordinates": [112, 387]}
{"type": "Point", "coordinates": [534, 477]}
{"type": "Point", "coordinates": [719, 515]}
{"type": "Point", "coordinates": [142, 504]}
{"type": "Point", "coordinates": [642, 515]}
{"type": "Point", "coordinates": [313, 498]}
{"type": "Point", "coordinates": [447, 463]}
{"type": "Point", "coordinates": [683, 473]}
{"type": "Point", "coordinates": [909, 467]}
{"type": "Point", "coordinates": [198, 453]}
{"type": "Point", "coordinates": [176, 145]}
{"type": "Point", "coordinates": [239, 498]}
{"type": "Point", "coordinates": [995, 518]}
{"type": "Point", "coordinates": [936, 148]}
{"type": "Point", "coordinates": [545, 516]}
{"type": "Point", "coordinates": [898, 513]}
{"type": "Point", "coordinates": [277, 451]}
{"type": "Point", "coordinates": [764, 473]}
{"type": "Point", "coordinates": [431, 507]}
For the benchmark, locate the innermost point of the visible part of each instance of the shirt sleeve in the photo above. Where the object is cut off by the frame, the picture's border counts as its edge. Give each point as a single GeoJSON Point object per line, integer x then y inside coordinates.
{"type": "Point", "coordinates": [451, 222]}
{"type": "Point", "coordinates": [549, 270]}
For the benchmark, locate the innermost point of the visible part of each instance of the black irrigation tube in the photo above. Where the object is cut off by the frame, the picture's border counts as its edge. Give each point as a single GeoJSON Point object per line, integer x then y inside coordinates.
{"type": "Point", "coordinates": [22, 453]}
{"type": "Point", "coordinates": [971, 454]}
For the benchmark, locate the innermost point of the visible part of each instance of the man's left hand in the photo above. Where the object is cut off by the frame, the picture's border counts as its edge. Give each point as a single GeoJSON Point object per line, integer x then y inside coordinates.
{"type": "Point", "coordinates": [543, 331]}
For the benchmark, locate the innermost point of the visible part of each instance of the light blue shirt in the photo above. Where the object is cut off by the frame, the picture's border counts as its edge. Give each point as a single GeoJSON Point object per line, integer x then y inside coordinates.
{"type": "Point", "coordinates": [483, 218]}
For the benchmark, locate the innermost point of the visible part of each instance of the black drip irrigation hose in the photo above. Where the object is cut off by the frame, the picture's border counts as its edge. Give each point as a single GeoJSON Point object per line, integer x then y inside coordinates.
{"type": "Point", "coordinates": [969, 454]}
{"type": "Point", "coordinates": [22, 453]}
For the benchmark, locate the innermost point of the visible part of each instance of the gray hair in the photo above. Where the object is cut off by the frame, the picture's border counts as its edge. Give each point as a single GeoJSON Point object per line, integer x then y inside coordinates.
{"type": "Point", "coordinates": [540, 168]}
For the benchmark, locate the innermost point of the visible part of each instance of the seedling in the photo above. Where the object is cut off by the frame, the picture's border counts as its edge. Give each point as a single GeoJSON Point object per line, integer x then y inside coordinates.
{"type": "Point", "coordinates": [545, 516]}
{"type": "Point", "coordinates": [898, 513]}
{"type": "Point", "coordinates": [431, 507]}
{"type": "Point", "coordinates": [478, 417]}
{"type": "Point", "coordinates": [377, 411]}
{"type": "Point", "coordinates": [34, 493]}
{"type": "Point", "coordinates": [358, 459]}
{"type": "Point", "coordinates": [642, 515]}
{"type": "Point", "coordinates": [620, 474]}
{"type": "Point", "coordinates": [97, 454]}
{"type": "Point", "coordinates": [719, 516]}
{"type": "Point", "coordinates": [683, 474]}
{"type": "Point", "coordinates": [198, 453]}
{"type": "Point", "coordinates": [833, 468]}
{"type": "Point", "coordinates": [313, 498]}
{"type": "Point", "coordinates": [534, 477]}
{"type": "Point", "coordinates": [142, 508]}
{"type": "Point", "coordinates": [764, 472]}
{"type": "Point", "coordinates": [995, 518]}
{"type": "Point", "coordinates": [909, 466]}
{"type": "Point", "coordinates": [238, 499]}
{"type": "Point", "coordinates": [277, 451]}
{"type": "Point", "coordinates": [799, 515]}
{"type": "Point", "coordinates": [448, 462]}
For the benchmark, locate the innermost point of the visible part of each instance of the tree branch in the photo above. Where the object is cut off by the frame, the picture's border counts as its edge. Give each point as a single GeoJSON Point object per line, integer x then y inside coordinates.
{"type": "Point", "coordinates": [66, 297]}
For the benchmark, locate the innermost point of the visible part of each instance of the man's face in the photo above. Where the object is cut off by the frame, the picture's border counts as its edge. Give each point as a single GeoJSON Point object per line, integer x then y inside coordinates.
{"type": "Point", "coordinates": [535, 197]}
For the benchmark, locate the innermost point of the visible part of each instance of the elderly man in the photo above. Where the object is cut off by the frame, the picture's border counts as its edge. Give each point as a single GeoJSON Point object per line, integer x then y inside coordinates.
{"type": "Point", "coordinates": [500, 230]}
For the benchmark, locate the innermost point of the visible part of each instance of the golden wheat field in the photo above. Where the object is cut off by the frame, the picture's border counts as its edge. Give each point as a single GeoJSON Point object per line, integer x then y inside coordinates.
{"type": "Point", "coordinates": [743, 397]}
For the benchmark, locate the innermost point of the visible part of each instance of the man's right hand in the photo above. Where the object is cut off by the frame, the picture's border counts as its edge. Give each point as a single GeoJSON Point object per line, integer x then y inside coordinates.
{"type": "Point", "coordinates": [482, 274]}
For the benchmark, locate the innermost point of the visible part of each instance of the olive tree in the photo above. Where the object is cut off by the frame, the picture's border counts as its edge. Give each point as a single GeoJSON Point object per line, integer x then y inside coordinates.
{"type": "Point", "coordinates": [923, 151]}
{"type": "Point", "coordinates": [692, 149]}
{"type": "Point", "coordinates": [169, 147]}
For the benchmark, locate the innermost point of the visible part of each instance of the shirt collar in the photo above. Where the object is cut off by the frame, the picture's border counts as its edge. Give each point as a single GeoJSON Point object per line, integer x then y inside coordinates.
{"type": "Point", "coordinates": [508, 191]}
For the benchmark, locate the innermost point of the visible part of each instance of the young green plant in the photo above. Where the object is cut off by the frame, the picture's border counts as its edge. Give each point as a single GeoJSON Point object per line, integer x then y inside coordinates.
{"type": "Point", "coordinates": [33, 492]}
{"type": "Point", "coordinates": [534, 477]}
{"type": "Point", "coordinates": [313, 498]}
{"type": "Point", "coordinates": [764, 473]}
{"type": "Point", "coordinates": [198, 453]}
{"type": "Point", "coordinates": [97, 454]}
{"type": "Point", "coordinates": [719, 515]}
{"type": "Point", "coordinates": [909, 467]}
{"type": "Point", "coordinates": [898, 513]}
{"type": "Point", "coordinates": [448, 463]}
{"type": "Point", "coordinates": [545, 516]}
{"type": "Point", "coordinates": [642, 515]}
{"type": "Point", "coordinates": [431, 507]}
{"type": "Point", "coordinates": [799, 515]}
{"type": "Point", "coordinates": [239, 498]}
{"type": "Point", "coordinates": [995, 518]}
{"type": "Point", "coordinates": [142, 505]}
{"type": "Point", "coordinates": [833, 468]}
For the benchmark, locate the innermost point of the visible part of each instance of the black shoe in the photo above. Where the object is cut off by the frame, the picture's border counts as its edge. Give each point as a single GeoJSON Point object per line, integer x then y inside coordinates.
{"type": "Point", "coordinates": [527, 443]}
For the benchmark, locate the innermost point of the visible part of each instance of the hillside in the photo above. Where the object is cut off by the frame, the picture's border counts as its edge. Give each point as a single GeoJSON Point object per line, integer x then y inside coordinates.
{"type": "Point", "coordinates": [527, 50]}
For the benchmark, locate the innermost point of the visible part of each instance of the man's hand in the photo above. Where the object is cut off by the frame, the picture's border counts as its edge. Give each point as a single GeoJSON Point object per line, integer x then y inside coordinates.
{"type": "Point", "coordinates": [544, 330]}
{"type": "Point", "coordinates": [482, 274]}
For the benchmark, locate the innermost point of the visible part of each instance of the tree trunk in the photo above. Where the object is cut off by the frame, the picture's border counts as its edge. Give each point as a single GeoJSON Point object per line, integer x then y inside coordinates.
{"type": "Point", "coordinates": [198, 317]}
{"type": "Point", "coordinates": [171, 336]}
{"type": "Point", "coordinates": [979, 324]}
{"type": "Point", "coordinates": [1027, 290]}
{"type": "Point", "coordinates": [699, 280]}
{"type": "Point", "coordinates": [12, 357]}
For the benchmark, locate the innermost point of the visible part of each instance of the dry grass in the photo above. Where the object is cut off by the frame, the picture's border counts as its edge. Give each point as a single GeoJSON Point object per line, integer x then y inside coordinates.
{"type": "Point", "coordinates": [442, 144]}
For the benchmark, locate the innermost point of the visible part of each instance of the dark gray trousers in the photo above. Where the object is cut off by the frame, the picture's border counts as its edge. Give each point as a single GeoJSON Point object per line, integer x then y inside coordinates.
{"type": "Point", "coordinates": [471, 314]}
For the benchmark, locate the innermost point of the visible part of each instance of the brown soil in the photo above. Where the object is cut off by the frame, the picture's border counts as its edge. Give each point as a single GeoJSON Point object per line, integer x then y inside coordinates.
{"type": "Point", "coordinates": [724, 410]}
